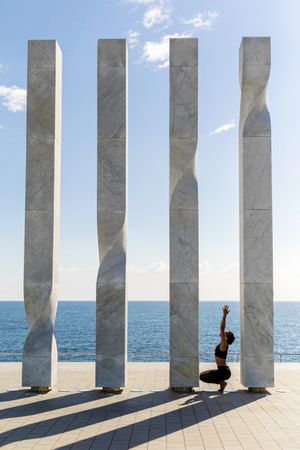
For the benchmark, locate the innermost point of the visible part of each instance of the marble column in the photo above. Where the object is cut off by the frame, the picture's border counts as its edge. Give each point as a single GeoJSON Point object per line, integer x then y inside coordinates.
{"type": "Point", "coordinates": [42, 213]}
{"type": "Point", "coordinates": [111, 317]}
{"type": "Point", "coordinates": [256, 253]}
{"type": "Point", "coordinates": [184, 272]}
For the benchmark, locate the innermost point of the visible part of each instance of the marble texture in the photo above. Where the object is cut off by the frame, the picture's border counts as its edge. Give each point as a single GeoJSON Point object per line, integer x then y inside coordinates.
{"type": "Point", "coordinates": [183, 251]}
{"type": "Point", "coordinates": [184, 55]}
{"type": "Point", "coordinates": [184, 270]}
{"type": "Point", "coordinates": [42, 210]}
{"type": "Point", "coordinates": [112, 91]}
{"type": "Point", "coordinates": [184, 325]}
{"type": "Point", "coordinates": [256, 235]}
{"type": "Point", "coordinates": [111, 314]}
{"type": "Point", "coordinates": [256, 247]}
{"type": "Point", "coordinates": [256, 191]}
{"type": "Point", "coordinates": [183, 101]}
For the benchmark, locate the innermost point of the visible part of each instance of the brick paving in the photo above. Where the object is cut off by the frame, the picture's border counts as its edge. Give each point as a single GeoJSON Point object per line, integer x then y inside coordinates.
{"type": "Point", "coordinates": [147, 415]}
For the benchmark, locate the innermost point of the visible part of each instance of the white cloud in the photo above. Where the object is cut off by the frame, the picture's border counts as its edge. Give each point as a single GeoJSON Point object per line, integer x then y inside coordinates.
{"type": "Point", "coordinates": [155, 16]}
{"type": "Point", "coordinates": [1, 127]}
{"type": "Point", "coordinates": [140, 2]}
{"type": "Point", "coordinates": [223, 128]}
{"type": "Point", "coordinates": [76, 269]}
{"type": "Point", "coordinates": [206, 266]}
{"type": "Point", "coordinates": [159, 266]}
{"type": "Point", "coordinates": [231, 269]}
{"type": "Point", "coordinates": [133, 38]}
{"type": "Point", "coordinates": [135, 269]}
{"type": "Point", "coordinates": [157, 52]}
{"type": "Point", "coordinates": [2, 68]}
{"type": "Point", "coordinates": [165, 65]}
{"type": "Point", "coordinates": [14, 98]}
{"type": "Point", "coordinates": [204, 21]}
{"type": "Point", "coordinates": [286, 270]}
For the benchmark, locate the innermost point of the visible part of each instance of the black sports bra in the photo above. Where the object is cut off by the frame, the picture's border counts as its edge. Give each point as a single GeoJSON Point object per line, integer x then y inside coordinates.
{"type": "Point", "coordinates": [221, 353]}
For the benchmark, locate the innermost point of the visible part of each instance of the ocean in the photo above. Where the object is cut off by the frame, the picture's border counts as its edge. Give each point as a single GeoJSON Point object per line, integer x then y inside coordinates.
{"type": "Point", "coordinates": [148, 330]}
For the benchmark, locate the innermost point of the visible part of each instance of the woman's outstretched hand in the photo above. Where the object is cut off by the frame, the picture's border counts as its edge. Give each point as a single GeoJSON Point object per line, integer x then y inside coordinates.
{"type": "Point", "coordinates": [226, 310]}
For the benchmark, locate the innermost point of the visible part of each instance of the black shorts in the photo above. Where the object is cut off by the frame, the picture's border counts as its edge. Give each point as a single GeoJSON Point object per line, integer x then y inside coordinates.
{"type": "Point", "coordinates": [216, 376]}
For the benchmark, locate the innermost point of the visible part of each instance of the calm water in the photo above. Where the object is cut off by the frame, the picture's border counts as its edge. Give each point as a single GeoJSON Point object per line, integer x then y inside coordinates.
{"type": "Point", "coordinates": [148, 330]}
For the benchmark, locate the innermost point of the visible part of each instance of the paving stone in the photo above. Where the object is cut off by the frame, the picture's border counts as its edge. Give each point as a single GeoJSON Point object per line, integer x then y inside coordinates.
{"type": "Point", "coordinates": [149, 420]}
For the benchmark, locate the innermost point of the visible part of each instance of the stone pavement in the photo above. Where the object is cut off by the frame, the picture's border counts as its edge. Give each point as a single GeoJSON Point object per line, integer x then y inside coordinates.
{"type": "Point", "coordinates": [147, 415]}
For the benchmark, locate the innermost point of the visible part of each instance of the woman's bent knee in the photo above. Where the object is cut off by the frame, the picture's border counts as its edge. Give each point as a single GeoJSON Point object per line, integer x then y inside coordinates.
{"type": "Point", "coordinates": [204, 376]}
{"type": "Point", "coordinates": [209, 376]}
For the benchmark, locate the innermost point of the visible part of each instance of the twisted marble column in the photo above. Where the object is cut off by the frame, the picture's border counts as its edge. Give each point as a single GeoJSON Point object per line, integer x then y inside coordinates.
{"type": "Point", "coordinates": [256, 253]}
{"type": "Point", "coordinates": [42, 212]}
{"type": "Point", "coordinates": [111, 317]}
{"type": "Point", "coordinates": [184, 299]}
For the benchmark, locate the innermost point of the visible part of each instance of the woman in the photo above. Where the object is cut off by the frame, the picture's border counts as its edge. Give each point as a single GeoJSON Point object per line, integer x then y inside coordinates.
{"type": "Point", "coordinates": [223, 372]}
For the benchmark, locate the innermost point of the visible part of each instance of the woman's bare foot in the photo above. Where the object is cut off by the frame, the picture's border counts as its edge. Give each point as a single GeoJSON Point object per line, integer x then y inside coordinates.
{"type": "Point", "coordinates": [222, 386]}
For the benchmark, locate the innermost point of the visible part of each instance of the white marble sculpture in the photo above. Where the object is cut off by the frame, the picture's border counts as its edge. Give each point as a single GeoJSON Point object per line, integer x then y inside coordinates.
{"type": "Point", "coordinates": [256, 254]}
{"type": "Point", "coordinates": [184, 299]}
{"type": "Point", "coordinates": [42, 212]}
{"type": "Point", "coordinates": [111, 317]}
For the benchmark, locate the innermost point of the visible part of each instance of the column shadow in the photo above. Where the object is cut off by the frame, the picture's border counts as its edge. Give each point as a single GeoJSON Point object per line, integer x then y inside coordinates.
{"type": "Point", "coordinates": [194, 409]}
{"type": "Point", "coordinates": [46, 404]}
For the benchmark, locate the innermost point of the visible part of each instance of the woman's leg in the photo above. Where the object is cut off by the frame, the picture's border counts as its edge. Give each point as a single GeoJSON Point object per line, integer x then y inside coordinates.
{"type": "Point", "coordinates": [223, 385]}
{"type": "Point", "coordinates": [224, 374]}
{"type": "Point", "coordinates": [210, 376]}
{"type": "Point", "coordinates": [217, 376]}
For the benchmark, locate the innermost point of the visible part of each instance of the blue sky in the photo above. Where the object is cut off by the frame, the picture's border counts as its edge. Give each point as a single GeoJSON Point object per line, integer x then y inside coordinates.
{"type": "Point", "coordinates": [147, 24]}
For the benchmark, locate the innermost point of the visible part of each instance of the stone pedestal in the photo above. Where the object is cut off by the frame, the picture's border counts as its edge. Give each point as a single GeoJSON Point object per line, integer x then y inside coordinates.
{"type": "Point", "coordinates": [42, 212]}
{"type": "Point", "coordinates": [256, 259]}
{"type": "Point", "coordinates": [184, 272]}
{"type": "Point", "coordinates": [111, 318]}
